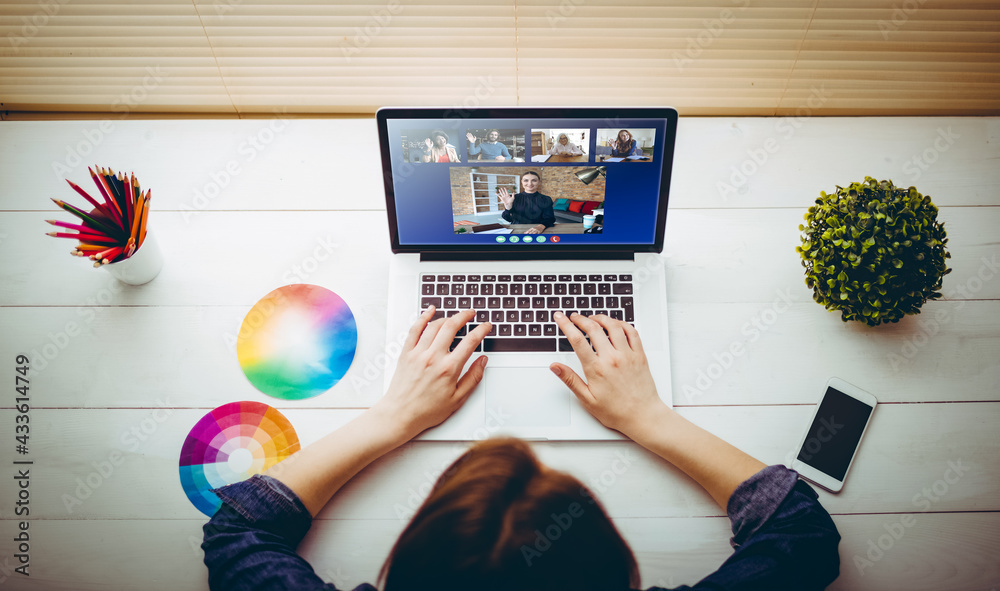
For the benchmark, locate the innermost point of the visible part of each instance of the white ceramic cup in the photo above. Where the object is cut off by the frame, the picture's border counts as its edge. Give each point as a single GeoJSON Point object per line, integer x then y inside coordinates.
{"type": "Point", "coordinates": [588, 221]}
{"type": "Point", "coordinates": [142, 266]}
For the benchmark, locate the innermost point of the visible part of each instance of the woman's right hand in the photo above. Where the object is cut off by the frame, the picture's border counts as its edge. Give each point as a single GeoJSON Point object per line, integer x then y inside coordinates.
{"type": "Point", "coordinates": [619, 390]}
{"type": "Point", "coordinates": [505, 197]}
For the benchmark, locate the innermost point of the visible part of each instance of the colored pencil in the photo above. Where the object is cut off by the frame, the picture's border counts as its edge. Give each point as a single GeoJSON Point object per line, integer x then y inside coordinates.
{"type": "Point", "coordinates": [112, 188]}
{"type": "Point", "coordinates": [145, 217]}
{"type": "Point", "coordinates": [87, 247]}
{"type": "Point", "coordinates": [133, 241]}
{"type": "Point", "coordinates": [99, 206]}
{"type": "Point", "coordinates": [116, 228]}
{"type": "Point", "coordinates": [106, 194]}
{"type": "Point", "coordinates": [125, 186]}
{"type": "Point", "coordinates": [83, 237]}
{"type": "Point", "coordinates": [79, 227]}
{"type": "Point", "coordinates": [88, 218]}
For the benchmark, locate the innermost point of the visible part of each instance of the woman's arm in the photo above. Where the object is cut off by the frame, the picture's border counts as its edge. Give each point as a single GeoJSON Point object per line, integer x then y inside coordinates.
{"type": "Point", "coordinates": [426, 389]}
{"type": "Point", "coordinates": [620, 392]}
{"type": "Point", "coordinates": [784, 539]}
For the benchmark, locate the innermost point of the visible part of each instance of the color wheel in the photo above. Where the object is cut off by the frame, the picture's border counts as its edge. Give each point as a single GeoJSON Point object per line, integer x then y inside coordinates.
{"type": "Point", "coordinates": [297, 342]}
{"type": "Point", "coordinates": [231, 444]}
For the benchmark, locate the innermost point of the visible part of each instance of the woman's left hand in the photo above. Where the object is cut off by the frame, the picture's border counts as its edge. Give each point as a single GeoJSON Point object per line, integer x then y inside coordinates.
{"type": "Point", "coordinates": [428, 385]}
{"type": "Point", "coordinates": [535, 229]}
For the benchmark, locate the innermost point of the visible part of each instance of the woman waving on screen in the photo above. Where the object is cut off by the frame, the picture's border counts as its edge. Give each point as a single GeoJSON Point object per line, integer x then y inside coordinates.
{"type": "Point", "coordinates": [529, 206]}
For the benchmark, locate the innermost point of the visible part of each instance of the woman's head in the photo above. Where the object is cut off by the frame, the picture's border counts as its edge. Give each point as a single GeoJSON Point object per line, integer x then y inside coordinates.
{"type": "Point", "coordinates": [563, 139]}
{"type": "Point", "coordinates": [499, 519]}
{"type": "Point", "coordinates": [439, 138]}
{"type": "Point", "coordinates": [624, 136]}
{"type": "Point", "coordinates": [530, 181]}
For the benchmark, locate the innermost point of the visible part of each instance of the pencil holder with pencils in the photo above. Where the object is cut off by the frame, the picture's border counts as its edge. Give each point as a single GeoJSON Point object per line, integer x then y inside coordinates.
{"type": "Point", "coordinates": [114, 234]}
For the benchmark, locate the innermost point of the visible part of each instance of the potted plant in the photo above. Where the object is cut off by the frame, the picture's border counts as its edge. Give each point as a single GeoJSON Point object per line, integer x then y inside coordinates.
{"type": "Point", "coordinates": [873, 251]}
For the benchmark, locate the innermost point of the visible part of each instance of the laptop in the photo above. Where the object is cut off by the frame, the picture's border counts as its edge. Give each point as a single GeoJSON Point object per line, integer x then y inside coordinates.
{"type": "Point", "coordinates": [517, 213]}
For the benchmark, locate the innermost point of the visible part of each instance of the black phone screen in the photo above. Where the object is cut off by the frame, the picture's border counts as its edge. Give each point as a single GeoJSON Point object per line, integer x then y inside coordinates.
{"type": "Point", "coordinates": [835, 433]}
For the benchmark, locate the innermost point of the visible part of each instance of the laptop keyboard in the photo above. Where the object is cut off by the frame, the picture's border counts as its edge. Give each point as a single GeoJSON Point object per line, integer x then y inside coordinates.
{"type": "Point", "coordinates": [520, 307]}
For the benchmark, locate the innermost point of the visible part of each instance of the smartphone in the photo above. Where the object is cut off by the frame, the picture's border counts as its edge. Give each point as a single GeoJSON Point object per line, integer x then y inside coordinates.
{"type": "Point", "coordinates": [828, 447]}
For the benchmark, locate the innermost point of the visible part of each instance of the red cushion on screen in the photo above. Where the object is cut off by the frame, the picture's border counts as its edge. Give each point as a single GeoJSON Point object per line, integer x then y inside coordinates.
{"type": "Point", "coordinates": [575, 206]}
{"type": "Point", "coordinates": [589, 207]}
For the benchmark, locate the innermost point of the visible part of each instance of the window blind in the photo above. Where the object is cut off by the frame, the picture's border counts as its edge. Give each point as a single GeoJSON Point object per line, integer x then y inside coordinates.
{"type": "Point", "coordinates": [728, 57]}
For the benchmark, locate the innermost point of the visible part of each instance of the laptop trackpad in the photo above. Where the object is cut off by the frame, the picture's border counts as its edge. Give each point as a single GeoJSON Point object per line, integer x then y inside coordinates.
{"type": "Point", "coordinates": [530, 396]}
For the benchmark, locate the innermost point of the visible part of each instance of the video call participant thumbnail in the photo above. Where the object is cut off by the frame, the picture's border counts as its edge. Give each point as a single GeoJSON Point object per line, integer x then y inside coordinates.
{"type": "Point", "coordinates": [438, 149]}
{"type": "Point", "coordinates": [489, 148]}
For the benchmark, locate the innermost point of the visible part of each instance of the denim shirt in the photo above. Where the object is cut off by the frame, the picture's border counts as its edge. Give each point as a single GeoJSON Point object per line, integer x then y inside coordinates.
{"type": "Point", "coordinates": [783, 537]}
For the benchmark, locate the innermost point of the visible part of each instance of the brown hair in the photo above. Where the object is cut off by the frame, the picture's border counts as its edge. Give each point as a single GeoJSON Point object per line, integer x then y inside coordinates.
{"type": "Point", "coordinates": [499, 519]}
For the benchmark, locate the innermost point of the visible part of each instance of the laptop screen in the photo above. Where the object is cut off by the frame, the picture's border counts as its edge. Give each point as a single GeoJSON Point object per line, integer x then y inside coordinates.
{"type": "Point", "coordinates": [527, 179]}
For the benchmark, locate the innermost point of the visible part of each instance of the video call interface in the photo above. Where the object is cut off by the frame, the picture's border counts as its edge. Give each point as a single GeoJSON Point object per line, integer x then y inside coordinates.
{"type": "Point", "coordinates": [509, 182]}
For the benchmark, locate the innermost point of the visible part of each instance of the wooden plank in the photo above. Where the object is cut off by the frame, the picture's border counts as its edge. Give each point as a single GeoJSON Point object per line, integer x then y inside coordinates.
{"type": "Point", "coordinates": [210, 258]}
{"type": "Point", "coordinates": [259, 164]}
{"type": "Point", "coordinates": [711, 256]}
{"type": "Point", "coordinates": [782, 353]}
{"type": "Point", "coordinates": [787, 161]}
{"type": "Point", "coordinates": [955, 551]}
{"type": "Point", "coordinates": [122, 464]}
{"type": "Point", "coordinates": [721, 354]}
{"type": "Point", "coordinates": [248, 164]}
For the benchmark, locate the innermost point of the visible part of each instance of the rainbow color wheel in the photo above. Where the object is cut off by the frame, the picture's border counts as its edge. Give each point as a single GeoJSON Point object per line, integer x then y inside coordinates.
{"type": "Point", "coordinates": [231, 444]}
{"type": "Point", "coordinates": [297, 342]}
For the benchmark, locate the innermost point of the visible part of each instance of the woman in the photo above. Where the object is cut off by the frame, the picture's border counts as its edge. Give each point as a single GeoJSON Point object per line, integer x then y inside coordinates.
{"type": "Point", "coordinates": [529, 206]}
{"type": "Point", "coordinates": [480, 527]}
{"type": "Point", "coordinates": [564, 147]}
{"type": "Point", "coordinates": [438, 149]}
{"type": "Point", "coordinates": [622, 146]}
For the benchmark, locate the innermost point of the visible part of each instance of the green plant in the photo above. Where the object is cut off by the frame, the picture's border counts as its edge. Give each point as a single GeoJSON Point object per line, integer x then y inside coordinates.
{"type": "Point", "coordinates": [874, 251]}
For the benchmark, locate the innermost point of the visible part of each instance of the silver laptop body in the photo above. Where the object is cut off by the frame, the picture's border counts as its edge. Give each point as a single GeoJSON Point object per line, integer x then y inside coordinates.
{"type": "Point", "coordinates": [519, 395]}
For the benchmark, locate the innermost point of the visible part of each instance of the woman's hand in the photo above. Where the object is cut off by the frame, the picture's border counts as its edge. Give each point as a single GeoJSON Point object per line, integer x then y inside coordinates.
{"type": "Point", "coordinates": [619, 390]}
{"type": "Point", "coordinates": [428, 386]}
{"type": "Point", "coordinates": [505, 197]}
{"type": "Point", "coordinates": [535, 229]}
{"type": "Point", "coordinates": [428, 143]}
{"type": "Point", "coordinates": [613, 144]}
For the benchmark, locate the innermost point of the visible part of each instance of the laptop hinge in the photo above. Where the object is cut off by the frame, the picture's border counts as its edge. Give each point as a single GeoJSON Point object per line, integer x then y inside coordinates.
{"type": "Point", "coordinates": [527, 256]}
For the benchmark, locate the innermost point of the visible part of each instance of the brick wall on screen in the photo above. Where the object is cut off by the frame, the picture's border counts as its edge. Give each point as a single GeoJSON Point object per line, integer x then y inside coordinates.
{"type": "Point", "coordinates": [461, 191]}
{"type": "Point", "coordinates": [560, 182]}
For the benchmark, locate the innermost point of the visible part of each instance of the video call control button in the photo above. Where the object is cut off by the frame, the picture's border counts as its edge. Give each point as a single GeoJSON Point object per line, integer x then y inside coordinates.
{"type": "Point", "coordinates": [501, 239]}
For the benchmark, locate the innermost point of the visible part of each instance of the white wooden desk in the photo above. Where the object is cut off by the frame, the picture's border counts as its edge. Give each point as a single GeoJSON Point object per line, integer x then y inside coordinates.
{"type": "Point", "coordinates": [243, 207]}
